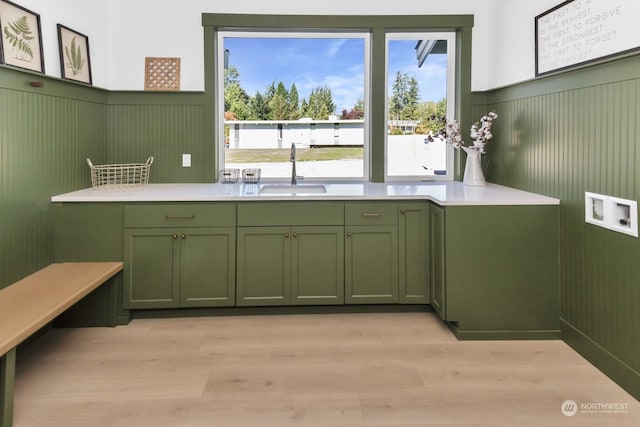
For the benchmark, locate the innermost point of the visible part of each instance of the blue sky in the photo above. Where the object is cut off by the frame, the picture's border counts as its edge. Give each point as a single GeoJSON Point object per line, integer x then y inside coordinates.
{"type": "Point", "coordinates": [337, 63]}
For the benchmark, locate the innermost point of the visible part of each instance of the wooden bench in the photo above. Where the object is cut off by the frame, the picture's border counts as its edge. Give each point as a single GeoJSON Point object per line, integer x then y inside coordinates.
{"type": "Point", "coordinates": [32, 303]}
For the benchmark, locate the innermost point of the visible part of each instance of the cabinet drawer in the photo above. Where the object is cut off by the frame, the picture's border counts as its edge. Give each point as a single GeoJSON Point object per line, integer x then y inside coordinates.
{"type": "Point", "coordinates": [376, 213]}
{"type": "Point", "coordinates": [179, 215]}
{"type": "Point", "coordinates": [290, 213]}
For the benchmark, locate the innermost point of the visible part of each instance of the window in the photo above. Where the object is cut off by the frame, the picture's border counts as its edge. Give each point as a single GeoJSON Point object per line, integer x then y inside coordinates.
{"type": "Point", "coordinates": [419, 88]}
{"type": "Point", "coordinates": [377, 36]}
{"type": "Point", "coordinates": [300, 88]}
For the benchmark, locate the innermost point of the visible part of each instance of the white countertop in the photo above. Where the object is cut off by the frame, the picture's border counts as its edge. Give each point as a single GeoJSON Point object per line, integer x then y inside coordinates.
{"type": "Point", "coordinates": [442, 193]}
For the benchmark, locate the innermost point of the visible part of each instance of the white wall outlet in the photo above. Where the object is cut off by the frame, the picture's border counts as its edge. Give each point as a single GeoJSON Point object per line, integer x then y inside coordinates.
{"type": "Point", "coordinates": [624, 216]}
{"type": "Point", "coordinates": [611, 212]}
{"type": "Point", "coordinates": [594, 205]}
{"type": "Point", "coordinates": [186, 160]}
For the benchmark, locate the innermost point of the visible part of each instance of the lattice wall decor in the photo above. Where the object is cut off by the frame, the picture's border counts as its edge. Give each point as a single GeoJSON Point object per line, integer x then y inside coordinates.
{"type": "Point", "coordinates": [161, 73]}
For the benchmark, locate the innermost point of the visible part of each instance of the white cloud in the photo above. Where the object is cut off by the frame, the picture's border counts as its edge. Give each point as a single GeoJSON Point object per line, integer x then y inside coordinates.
{"type": "Point", "coordinates": [346, 89]}
{"type": "Point", "coordinates": [334, 47]}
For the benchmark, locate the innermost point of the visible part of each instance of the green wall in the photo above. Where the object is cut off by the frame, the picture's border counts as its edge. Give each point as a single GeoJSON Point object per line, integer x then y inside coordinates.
{"type": "Point", "coordinates": [561, 136]}
{"type": "Point", "coordinates": [46, 134]}
{"type": "Point", "coordinates": [162, 125]}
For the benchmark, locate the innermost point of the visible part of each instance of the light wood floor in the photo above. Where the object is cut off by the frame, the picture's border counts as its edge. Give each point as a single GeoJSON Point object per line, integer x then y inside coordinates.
{"type": "Point", "coordinates": [304, 370]}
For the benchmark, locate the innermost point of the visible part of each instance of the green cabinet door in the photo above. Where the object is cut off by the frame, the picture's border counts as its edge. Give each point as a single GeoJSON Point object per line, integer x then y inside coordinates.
{"type": "Point", "coordinates": [371, 264]}
{"type": "Point", "coordinates": [207, 267]}
{"type": "Point", "coordinates": [414, 253]}
{"type": "Point", "coordinates": [317, 265]}
{"type": "Point", "coordinates": [437, 253]}
{"type": "Point", "coordinates": [264, 266]}
{"type": "Point", "coordinates": [189, 267]}
{"type": "Point", "coordinates": [152, 268]}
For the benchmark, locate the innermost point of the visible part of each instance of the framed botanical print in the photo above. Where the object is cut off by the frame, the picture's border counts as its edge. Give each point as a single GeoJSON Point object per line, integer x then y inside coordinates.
{"type": "Point", "coordinates": [20, 36]}
{"type": "Point", "coordinates": [75, 62]}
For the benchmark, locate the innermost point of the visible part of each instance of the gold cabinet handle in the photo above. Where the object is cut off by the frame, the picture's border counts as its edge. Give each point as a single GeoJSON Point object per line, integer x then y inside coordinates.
{"type": "Point", "coordinates": [184, 236]}
{"type": "Point", "coordinates": [295, 235]}
{"type": "Point", "coordinates": [175, 217]}
{"type": "Point", "coordinates": [286, 235]}
{"type": "Point", "coordinates": [349, 234]}
{"type": "Point", "coordinates": [175, 236]}
{"type": "Point", "coordinates": [402, 211]}
{"type": "Point", "coordinates": [371, 215]}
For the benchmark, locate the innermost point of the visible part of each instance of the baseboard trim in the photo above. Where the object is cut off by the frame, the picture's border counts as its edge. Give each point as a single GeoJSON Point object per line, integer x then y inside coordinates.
{"type": "Point", "coordinates": [246, 311]}
{"type": "Point", "coordinates": [463, 335]}
{"type": "Point", "coordinates": [621, 373]}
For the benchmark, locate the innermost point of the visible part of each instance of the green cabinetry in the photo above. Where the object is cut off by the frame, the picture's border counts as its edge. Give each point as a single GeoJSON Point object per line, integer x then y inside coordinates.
{"type": "Point", "coordinates": [437, 256]}
{"type": "Point", "coordinates": [317, 265]}
{"type": "Point", "coordinates": [413, 257]}
{"type": "Point", "coordinates": [264, 266]}
{"type": "Point", "coordinates": [92, 232]}
{"type": "Point", "coordinates": [179, 255]}
{"type": "Point", "coordinates": [495, 270]}
{"type": "Point", "coordinates": [290, 253]}
{"type": "Point", "coordinates": [371, 253]}
{"type": "Point", "coordinates": [490, 271]}
{"type": "Point", "coordinates": [152, 268]}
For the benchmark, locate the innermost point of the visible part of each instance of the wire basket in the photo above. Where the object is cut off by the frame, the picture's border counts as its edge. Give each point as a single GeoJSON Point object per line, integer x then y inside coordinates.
{"type": "Point", "coordinates": [125, 173]}
{"type": "Point", "coordinates": [230, 175]}
{"type": "Point", "coordinates": [251, 176]}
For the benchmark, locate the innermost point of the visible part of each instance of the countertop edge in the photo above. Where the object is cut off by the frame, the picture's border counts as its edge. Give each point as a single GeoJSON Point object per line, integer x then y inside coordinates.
{"type": "Point", "coordinates": [443, 194]}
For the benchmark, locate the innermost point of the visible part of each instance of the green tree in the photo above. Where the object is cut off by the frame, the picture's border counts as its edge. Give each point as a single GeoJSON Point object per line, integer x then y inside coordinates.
{"type": "Point", "coordinates": [320, 104]}
{"type": "Point", "coordinates": [399, 96]}
{"type": "Point", "coordinates": [259, 108]}
{"type": "Point", "coordinates": [430, 114]}
{"type": "Point", "coordinates": [403, 104]}
{"type": "Point", "coordinates": [410, 110]}
{"type": "Point", "coordinates": [270, 92]}
{"type": "Point", "coordinates": [294, 101]}
{"type": "Point", "coordinates": [231, 75]}
{"type": "Point", "coordinates": [304, 108]}
{"type": "Point", "coordinates": [236, 99]}
{"type": "Point", "coordinates": [279, 104]}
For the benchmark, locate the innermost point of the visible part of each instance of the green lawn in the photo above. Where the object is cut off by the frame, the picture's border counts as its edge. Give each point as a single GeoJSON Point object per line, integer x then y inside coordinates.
{"type": "Point", "coordinates": [284, 155]}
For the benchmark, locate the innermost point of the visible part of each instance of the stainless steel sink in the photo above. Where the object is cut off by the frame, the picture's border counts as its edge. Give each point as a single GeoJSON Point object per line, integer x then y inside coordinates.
{"type": "Point", "coordinates": [293, 189]}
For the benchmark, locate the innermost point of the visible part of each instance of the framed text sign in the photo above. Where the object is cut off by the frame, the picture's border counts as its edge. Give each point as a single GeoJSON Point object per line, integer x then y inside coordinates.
{"type": "Point", "coordinates": [577, 32]}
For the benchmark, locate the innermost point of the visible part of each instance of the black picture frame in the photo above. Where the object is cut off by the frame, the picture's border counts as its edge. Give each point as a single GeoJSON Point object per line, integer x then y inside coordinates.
{"type": "Point", "coordinates": [20, 37]}
{"type": "Point", "coordinates": [565, 34]}
{"type": "Point", "coordinates": [75, 57]}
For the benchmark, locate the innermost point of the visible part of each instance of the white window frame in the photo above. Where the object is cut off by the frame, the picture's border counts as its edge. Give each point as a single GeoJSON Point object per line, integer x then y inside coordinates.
{"type": "Point", "coordinates": [450, 37]}
{"type": "Point", "coordinates": [219, 60]}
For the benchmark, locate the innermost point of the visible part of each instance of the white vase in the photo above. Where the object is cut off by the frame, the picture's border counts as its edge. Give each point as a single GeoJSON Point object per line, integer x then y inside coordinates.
{"type": "Point", "coordinates": [473, 174]}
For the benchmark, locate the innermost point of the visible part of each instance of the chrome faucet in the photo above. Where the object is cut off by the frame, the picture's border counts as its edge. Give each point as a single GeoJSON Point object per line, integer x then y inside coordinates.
{"type": "Point", "coordinates": [294, 178]}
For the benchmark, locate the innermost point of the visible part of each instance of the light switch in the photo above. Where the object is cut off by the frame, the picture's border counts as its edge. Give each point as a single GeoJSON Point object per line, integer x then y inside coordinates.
{"type": "Point", "coordinates": [186, 160]}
